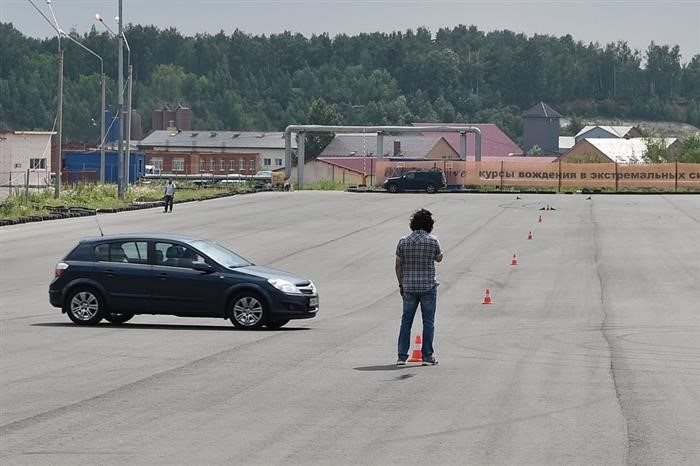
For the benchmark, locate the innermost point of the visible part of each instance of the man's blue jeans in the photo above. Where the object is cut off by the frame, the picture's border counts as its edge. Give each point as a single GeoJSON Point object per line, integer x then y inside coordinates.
{"type": "Point", "coordinates": [428, 303]}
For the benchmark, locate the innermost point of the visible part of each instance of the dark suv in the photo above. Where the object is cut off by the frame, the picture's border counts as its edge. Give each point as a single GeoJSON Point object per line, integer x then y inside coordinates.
{"type": "Point", "coordinates": [420, 180]}
{"type": "Point", "coordinates": [116, 277]}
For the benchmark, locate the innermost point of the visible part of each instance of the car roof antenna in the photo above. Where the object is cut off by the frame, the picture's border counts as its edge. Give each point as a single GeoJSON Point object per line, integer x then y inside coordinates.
{"type": "Point", "coordinates": [98, 224]}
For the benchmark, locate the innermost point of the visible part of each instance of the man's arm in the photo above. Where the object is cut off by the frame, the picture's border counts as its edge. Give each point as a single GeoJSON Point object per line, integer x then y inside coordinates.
{"type": "Point", "coordinates": [399, 273]}
{"type": "Point", "coordinates": [438, 257]}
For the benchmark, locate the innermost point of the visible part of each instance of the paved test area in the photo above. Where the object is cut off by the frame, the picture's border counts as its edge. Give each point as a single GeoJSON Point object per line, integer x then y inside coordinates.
{"type": "Point", "coordinates": [590, 353]}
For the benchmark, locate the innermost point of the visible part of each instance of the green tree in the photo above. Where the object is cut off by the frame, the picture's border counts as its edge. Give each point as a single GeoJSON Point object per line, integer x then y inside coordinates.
{"type": "Point", "coordinates": [689, 151]}
{"type": "Point", "coordinates": [663, 70]}
{"type": "Point", "coordinates": [657, 151]}
{"type": "Point", "coordinates": [245, 81]}
{"type": "Point", "coordinates": [575, 125]}
{"type": "Point", "coordinates": [535, 151]}
{"type": "Point", "coordinates": [320, 113]}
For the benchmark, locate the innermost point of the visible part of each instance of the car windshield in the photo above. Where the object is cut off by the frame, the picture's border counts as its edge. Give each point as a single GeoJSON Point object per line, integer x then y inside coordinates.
{"type": "Point", "coordinates": [220, 254]}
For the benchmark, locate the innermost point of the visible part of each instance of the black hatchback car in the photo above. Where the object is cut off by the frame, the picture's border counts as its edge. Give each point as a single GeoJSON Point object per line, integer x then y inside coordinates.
{"type": "Point", "coordinates": [117, 277]}
{"type": "Point", "coordinates": [420, 180]}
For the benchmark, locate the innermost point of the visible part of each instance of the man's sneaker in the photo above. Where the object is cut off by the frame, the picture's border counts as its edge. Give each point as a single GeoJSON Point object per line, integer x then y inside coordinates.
{"type": "Point", "coordinates": [400, 362]}
{"type": "Point", "coordinates": [430, 361]}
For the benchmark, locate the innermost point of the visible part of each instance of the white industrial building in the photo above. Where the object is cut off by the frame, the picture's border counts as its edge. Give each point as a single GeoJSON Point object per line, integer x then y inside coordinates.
{"type": "Point", "coordinates": [25, 158]}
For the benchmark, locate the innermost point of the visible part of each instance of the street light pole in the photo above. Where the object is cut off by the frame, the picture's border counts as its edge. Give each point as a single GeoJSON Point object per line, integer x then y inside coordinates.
{"type": "Point", "coordinates": [127, 165]}
{"type": "Point", "coordinates": [104, 136]}
{"type": "Point", "coordinates": [120, 91]}
{"type": "Point", "coordinates": [122, 165]}
{"type": "Point", "coordinates": [128, 114]}
{"type": "Point", "coordinates": [59, 109]}
{"type": "Point", "coordinates": [59, 168]}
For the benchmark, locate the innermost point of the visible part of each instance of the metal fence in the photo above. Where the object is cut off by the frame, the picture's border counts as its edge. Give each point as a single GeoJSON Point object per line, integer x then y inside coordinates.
{"type": "Point", "coordinates": [33, 178]}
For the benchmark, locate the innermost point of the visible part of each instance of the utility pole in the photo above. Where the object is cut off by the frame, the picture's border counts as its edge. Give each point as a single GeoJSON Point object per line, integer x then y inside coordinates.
{"type": "Point", "coordinates": [59, 110]}
{"type": "Point", "coordinates": [120, 145]}
{"type": "Point", "coordinates": [127, 165]}
{"type": "Point", "coordinates": [59, 117]}
{"type": "Point", "coordinates": [102, 132]}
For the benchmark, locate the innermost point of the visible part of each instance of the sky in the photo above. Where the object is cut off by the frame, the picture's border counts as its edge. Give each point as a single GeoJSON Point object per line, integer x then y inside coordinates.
{"type": "Point", "coordinates": [637, 22]}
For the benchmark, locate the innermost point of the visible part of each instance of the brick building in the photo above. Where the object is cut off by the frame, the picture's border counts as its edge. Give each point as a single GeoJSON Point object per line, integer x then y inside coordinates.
{"type": "Point", "coordinates": [214, 152]}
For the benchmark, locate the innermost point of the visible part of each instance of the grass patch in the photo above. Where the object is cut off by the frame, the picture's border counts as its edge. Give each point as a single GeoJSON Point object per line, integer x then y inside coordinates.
{"type": "Point", "coordinates": [102, 196]}
{"type": "Point", "coordinates": [324, 186]}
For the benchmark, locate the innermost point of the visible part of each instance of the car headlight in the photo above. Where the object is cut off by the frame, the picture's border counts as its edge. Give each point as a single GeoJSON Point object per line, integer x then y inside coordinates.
{"type": "Point", "coordinates": [284, 286]}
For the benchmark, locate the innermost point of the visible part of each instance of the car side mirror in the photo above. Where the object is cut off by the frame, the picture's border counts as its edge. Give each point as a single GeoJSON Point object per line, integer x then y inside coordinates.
{"type": "Point", "coordinates": [203, 267]}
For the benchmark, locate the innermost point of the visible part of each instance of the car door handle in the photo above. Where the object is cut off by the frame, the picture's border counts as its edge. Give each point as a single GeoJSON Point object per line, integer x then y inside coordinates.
{"type": "Point", "coordinates": [162, 275]}
{"type": "Point", "coordinates": [110, 272]}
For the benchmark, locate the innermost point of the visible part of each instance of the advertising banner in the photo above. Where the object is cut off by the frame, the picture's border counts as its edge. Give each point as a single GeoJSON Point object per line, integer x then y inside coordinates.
{"type": "Point", "coordinates": [552, 175]}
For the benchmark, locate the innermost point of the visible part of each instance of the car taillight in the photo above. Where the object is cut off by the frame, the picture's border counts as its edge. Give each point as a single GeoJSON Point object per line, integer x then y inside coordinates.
{"type": "Point", "coordinates": [60, 268]}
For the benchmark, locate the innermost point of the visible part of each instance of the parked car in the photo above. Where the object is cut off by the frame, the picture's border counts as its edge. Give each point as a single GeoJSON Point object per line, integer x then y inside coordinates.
{"type": "Point", "coordinates": [269, 179]}
{"type": "Point", "coordinates": [117, 277]}
{"type": "Point", "coordinates": [419, 180]}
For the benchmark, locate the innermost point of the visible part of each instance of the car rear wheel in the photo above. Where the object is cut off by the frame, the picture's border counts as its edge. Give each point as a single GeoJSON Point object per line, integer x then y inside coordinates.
{"type": "Point", "coordinates": [248, 311]}
{"type": "Point", "coordinates": [277, 323]}
{"type": "Point", "coordinates": [84, 306]}
{"type": "Point", "coordinates": [430, 188]}
{"type": "Point", "coordinates": [118, 317]}
{"type": "Point", "coordinates": [393, 188]}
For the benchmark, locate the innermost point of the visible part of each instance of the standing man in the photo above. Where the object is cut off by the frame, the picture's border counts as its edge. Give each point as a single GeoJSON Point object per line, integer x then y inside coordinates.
{"type": "Point", "coordinates": [416, 255]}
{"type": "Point", "coordinates": [169, 194]}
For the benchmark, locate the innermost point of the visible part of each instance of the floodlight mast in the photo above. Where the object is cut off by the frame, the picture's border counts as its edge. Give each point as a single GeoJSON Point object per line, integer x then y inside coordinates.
{"type": "Point", "coordinates": [380, 130]}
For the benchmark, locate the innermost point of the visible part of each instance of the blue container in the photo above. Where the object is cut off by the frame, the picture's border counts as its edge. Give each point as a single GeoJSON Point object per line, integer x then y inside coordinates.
{"type": "Point", "coordinates": [85, 165]}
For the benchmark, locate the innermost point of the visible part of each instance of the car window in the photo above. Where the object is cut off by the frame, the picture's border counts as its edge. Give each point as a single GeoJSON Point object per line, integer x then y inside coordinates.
{"type": "Point", "coordinates": [176, 255]}
{"type": "Point", "coordinates": [411, 175]}
{"type": "Point", "coordinates": [134, 252]}
{"type": "Point", "coordinates": [220, 254]}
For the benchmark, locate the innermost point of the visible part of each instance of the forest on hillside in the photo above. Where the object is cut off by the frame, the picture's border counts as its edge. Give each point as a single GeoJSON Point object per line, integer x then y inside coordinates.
{"type": "Point", "coordinates": [257, 82]}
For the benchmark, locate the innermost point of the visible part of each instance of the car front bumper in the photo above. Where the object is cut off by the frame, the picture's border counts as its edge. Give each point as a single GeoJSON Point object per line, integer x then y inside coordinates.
{"type": "Point", "coordinates": [295, 307]}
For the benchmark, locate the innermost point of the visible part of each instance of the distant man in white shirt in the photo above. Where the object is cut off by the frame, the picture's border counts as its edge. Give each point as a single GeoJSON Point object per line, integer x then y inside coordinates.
{"type": "Point", "coordinates": [169, 195]}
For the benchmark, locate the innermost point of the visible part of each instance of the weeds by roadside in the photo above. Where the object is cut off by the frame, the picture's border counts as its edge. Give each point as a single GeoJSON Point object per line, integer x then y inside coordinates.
{"type": "Point", "coordinates": [325, 186]}
{"type": "Point", "coordinates": [101, 196]}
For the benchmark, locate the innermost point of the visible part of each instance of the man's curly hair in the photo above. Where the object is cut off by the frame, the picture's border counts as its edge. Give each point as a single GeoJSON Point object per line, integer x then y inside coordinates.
{"type": "Point", "coordinates": [422, 219]}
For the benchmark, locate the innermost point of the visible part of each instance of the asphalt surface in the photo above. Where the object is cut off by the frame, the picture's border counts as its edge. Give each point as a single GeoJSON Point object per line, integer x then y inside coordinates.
{"type": "Point", "coordinates": [589, 354]}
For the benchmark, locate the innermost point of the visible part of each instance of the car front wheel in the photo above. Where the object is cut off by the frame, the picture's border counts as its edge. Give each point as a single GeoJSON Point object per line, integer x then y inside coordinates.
{"type": "Point", "coordinates": [393, 188]}
{"type": "Point", "coordinates": [247, 311]}
{"type": "Point", "coordinates": [84, 306]}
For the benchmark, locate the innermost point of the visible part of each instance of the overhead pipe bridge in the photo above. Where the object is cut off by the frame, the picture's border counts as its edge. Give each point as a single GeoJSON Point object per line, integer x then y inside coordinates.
{"type": "Point", "coordinates": [381, 131]}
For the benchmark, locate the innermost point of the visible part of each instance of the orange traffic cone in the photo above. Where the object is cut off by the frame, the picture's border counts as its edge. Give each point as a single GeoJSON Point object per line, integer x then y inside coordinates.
{"type": "Point", "coordinates": [540, 220]}
{"type": "Point", "coordinates": [529, 235]}
{"type": "Point", "coordinates": [417, 355]}
{"type": "Point", "coordinates": [514, 260]}
{"type": "Point", "coordinates": [487, 297]}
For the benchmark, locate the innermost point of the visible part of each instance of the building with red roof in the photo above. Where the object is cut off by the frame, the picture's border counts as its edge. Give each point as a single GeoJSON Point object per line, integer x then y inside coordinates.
{"type": "Point", "coordinates": [494, 142]}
